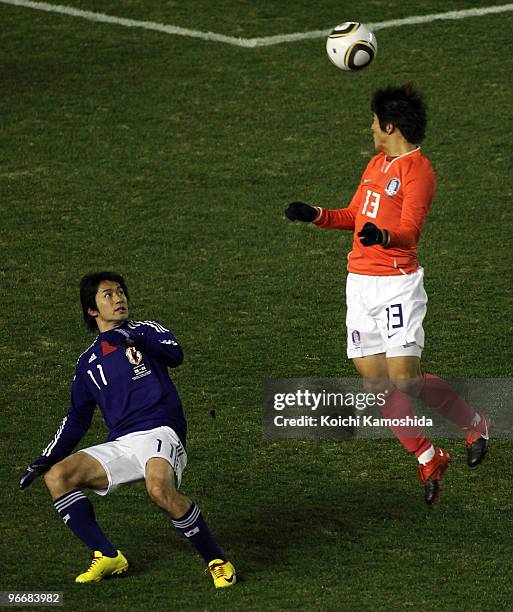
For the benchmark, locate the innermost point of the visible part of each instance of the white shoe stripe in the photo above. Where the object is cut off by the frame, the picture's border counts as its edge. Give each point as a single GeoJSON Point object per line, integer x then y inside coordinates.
{"type": "Point", "coordinates": [486, 435]}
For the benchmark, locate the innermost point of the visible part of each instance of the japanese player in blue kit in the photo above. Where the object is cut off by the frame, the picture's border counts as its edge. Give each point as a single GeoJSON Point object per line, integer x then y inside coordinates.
{"type": "Point", "coordinates": [125, 373]}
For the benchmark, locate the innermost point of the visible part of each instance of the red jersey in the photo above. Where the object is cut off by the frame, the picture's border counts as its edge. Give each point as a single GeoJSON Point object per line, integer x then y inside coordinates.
{"type": "Point", "coordinates": [395, 194]}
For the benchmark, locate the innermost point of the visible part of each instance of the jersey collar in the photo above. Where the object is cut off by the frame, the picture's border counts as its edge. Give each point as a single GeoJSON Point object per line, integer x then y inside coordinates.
{"type": "Point", "coordinates": [386, 164]}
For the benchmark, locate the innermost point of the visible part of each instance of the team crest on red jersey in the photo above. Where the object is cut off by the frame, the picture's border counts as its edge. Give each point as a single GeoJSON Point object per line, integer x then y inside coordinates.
{"type": "Point", "coordinates": [133, 355]}
{"type": "Point", "coordinates": [392, 187]}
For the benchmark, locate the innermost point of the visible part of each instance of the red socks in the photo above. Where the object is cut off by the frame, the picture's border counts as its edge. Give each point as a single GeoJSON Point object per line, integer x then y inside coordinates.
{"type": "Point", "coordinates": [437, 394]}
{"type": "Point", "coordinates": [440, 396]}
{"type": "Point", "coordinates": [398, 406]}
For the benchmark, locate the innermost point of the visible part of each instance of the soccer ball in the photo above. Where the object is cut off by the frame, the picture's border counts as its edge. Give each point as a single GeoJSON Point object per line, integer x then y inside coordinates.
{"type": "Point", "coordinates": [351, 46]}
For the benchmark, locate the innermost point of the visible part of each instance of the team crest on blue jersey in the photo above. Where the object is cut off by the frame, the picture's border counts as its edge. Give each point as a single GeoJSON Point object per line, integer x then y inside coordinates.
{"type": "Point", "coordinates": [392, 187]}
{"type": "Point", "coordinates": [133, 355]}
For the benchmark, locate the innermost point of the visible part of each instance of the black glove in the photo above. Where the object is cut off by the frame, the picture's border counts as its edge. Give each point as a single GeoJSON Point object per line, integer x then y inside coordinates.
{"type": "Point", "coordinates": [120, 337]}
{"type": "Point", "coordinates": [370, 234]}
{"type": "Point", "coordinates": [32, 472]}
{"type": "Point", "coordinates": [299, 211]}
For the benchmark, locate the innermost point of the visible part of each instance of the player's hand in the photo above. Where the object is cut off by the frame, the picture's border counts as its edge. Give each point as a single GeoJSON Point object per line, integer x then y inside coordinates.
{"type": "Point", "coordinates": [370, 235]}
{"type": "Point", "coordinates": [120, 337]}
{"type": "Point", "coordinates": [32, 472]}
{"type": "Point", "coordinates": [299, 211]}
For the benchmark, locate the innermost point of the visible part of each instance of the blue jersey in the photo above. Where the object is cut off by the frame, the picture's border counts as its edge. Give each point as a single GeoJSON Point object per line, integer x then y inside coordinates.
{"type": "Point", "coordinates": [131, 386]}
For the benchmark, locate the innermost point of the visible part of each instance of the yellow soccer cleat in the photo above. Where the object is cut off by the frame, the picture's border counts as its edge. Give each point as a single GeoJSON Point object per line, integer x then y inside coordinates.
{"type": "Point", "coordinates": [223, 573]}
{"type": "Point", "coordinates": [102, 567]}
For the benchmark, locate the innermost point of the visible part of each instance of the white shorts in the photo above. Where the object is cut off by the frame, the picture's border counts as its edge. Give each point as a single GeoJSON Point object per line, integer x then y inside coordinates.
{"type": "Point", "coordinates": [124, 459]}
{"type": "Point", "coordinates": [385, 314]}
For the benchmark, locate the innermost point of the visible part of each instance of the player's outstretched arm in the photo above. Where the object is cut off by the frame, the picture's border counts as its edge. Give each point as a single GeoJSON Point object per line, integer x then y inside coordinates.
{"type": "Point", "coordinates": [71, 430]}
{"type": "Point", "coordinates": [325, 218]}
{"type": "Point", "coordinates": [35, 469]}
{"type": "Point", "coordinates": [299, 211]}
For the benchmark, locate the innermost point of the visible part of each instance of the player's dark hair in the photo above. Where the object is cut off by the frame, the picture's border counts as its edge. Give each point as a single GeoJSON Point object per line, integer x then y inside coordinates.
{"type": "Point", "coordinates": [88, 289]}
{"type": "Point", "coordinates": [404, 107]}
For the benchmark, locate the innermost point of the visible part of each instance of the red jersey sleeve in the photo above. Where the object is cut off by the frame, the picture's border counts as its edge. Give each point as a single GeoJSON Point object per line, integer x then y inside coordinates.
{"type": "Point", "coordinates": [342, 218]}
{"type": "Point", "coordinates": [419, 190]}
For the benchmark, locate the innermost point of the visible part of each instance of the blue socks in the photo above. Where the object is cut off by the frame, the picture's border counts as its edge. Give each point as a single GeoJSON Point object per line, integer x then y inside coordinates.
{"type": "Point", "coordinates": [194, 528]}
{"type": "Point", "coordinates": [78, 514]}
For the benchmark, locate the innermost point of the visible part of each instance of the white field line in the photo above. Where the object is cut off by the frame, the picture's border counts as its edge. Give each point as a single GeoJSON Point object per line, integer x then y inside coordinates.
{"type": "Point", "coordinates": [250, 42]}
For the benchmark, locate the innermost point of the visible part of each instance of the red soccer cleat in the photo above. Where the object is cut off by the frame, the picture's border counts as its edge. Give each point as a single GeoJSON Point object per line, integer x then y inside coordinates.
{"type": "Point", "coordinates": [432, 475]}
{"type": "Point", "coordinates": [477, 438]}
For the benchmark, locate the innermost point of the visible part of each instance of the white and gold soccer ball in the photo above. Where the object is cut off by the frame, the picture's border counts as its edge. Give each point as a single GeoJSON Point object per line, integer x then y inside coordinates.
{"type": "Point", "coordinates": [351, 46]}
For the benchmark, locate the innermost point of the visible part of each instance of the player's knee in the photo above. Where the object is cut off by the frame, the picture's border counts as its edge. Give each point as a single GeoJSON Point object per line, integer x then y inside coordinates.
{"type": "Point", "coordinates": [58, 479]}
{"type": "Point", "coordinates": [376, 385]}
{"type": "Point", "coordinates": [159, 492]}
{"type": "Point", "coordinates": [167, 498]}
{"type": "Point", "coordinates": [409, 386]}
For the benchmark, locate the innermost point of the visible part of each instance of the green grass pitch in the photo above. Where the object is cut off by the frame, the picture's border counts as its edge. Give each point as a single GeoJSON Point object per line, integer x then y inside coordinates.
{"type": "Point", "coordinates": [171, 160]}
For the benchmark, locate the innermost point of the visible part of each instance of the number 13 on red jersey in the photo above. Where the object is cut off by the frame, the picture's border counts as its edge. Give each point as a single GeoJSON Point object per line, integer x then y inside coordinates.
{"type": "Point", "coordinates": [371, 205]}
